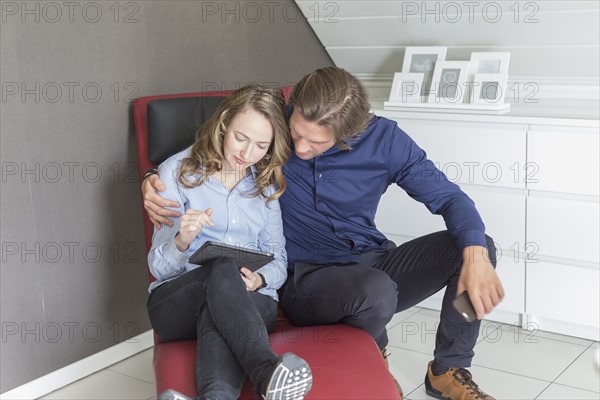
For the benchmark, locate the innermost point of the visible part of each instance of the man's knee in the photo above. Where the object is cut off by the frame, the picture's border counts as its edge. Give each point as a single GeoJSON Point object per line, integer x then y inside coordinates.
{"type": "Point", "coordinates": [378, 293]}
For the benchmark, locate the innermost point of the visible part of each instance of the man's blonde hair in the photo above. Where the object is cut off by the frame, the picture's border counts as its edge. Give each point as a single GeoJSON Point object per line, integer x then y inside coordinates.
{"type": "Point", "coordinates": [334, 98]}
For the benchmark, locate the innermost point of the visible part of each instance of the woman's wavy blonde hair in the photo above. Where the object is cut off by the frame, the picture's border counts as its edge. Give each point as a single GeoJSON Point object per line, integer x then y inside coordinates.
{"type": "Point", "coordinates": [207, 151]}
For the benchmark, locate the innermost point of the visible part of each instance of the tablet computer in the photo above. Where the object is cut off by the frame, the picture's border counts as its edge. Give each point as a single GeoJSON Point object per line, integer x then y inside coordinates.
{"type": "Point", "coordinates": [243, 257]}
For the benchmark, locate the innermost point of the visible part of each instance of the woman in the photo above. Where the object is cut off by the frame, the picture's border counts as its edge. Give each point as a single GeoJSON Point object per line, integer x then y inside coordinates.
{"type": "Point", "coordinates": [228, 183]}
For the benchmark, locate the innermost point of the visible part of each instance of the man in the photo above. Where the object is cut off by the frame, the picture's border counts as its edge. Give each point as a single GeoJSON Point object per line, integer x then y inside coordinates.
{"type": "Point", "coordinates": [341, 268]}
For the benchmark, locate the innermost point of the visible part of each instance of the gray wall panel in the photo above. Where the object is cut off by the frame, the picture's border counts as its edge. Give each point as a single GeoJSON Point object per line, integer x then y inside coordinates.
{"type": "Point", "coordinates": [83, 193]}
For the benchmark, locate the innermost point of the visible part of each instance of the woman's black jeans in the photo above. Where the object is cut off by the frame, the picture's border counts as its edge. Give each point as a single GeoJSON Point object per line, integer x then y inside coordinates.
{"type": "Point", "coordinates": [211, 305]}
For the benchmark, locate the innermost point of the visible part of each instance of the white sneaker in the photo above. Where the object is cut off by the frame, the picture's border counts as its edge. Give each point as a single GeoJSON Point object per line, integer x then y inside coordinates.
{"type": "Point", "coordinates": [291, 380]}
{"type": "Point", "coordinates": [173, 395]}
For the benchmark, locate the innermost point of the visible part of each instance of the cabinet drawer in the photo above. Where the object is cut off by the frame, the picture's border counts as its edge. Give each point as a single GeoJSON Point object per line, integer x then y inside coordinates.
{"type": "Point", "coordinates": [562, 292]}
{"type": "Point", "coordinates": [564, 161]}
{"type": "Point", "coordinates": [400, 215]}
{"type": "Point", "coordinates": [475, 155]}
{"type": "Point", "coordinates": [563, 228]}
{"type": "Point", "coordinates": [502, 213]}
{"type": "Point", "coordinates": [512, 275]}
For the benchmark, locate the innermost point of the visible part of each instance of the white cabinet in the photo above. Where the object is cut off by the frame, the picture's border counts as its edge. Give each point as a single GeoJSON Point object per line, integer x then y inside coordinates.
{"type": "Point", "coordinates": [563, 298]}
{"type": "Point", "coordinates": [563, 228]}
{"type": "Point", "coordinates": [535, 182]}
{"type": "Point", "coordinates": [564, 160]}
{"type": "Point", "coordinates": [473, 153]}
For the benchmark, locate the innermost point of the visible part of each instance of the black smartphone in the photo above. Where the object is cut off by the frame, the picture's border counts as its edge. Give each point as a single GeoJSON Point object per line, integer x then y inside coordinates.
{"type": "Point", "coordinates": [464, 306]}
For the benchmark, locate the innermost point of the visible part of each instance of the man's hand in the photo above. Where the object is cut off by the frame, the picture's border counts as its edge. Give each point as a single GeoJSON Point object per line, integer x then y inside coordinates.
{"type": "Point", "coordinates": [155, 205]}
{"type": "Point", "coordinates": [478, 277]}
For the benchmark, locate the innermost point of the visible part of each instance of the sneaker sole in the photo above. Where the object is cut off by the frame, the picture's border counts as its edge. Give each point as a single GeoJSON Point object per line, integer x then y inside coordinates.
{"type": "Point", "coordinates": [291, 380]}
{"type": "Point", "coordinates": [171, 394]}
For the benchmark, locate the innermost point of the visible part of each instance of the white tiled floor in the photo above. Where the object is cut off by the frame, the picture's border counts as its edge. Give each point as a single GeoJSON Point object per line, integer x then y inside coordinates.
{"type": "Point", "coordinates": [509, 364]}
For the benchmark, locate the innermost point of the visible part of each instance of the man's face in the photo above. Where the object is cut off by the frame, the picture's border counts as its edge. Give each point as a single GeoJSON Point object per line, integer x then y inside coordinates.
{"type": "Point", "coordinates": [310, 139]}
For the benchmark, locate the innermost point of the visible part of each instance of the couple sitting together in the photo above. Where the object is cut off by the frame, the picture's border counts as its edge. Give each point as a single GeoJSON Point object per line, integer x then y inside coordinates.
{"type": "Point", "coordinates": [302, 180]}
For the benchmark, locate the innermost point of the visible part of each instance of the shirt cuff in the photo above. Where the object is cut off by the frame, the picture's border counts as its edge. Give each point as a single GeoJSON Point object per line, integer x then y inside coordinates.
{"type": "Point", "coordinates": [269, 273]}
{"type": "Point", "coordinates": [174, 256]}
{"type": "Point", "coordinates": [470, 238]}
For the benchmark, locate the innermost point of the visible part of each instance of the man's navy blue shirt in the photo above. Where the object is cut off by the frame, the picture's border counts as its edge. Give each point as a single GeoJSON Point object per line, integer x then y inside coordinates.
{"type": "Point", "coordinates": [330, 202]}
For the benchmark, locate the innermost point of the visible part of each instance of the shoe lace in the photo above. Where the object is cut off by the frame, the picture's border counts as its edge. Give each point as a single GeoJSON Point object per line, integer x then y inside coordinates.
{"type": "Point", "coordinates": [465, 378]}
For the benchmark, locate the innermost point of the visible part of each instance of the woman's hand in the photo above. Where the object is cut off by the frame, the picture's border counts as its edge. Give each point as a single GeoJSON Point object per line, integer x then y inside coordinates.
{"type": "Point", "coordinates": [155, 205]}
{"type": "Point", "coordinates": [252, 280]}
{"type": "Point", "coordinates": [191, 225]}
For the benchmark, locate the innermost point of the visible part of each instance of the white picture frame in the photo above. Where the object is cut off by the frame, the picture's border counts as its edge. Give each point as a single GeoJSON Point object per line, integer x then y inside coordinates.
{"type": "Point", "coordinates": [422, 59]}
{"type": "Point", "coordinates": [489, 88]}
{"type": "Point", "coordinates": [449, 82]}
{"type": "Point", "coordinates": [406, 87]}
{"type": "Point", "coordinates": [487, 62]}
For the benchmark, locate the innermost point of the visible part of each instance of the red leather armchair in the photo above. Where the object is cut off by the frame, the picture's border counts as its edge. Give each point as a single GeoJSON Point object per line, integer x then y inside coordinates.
{"type": "Point", "coordinates": [345, 361]}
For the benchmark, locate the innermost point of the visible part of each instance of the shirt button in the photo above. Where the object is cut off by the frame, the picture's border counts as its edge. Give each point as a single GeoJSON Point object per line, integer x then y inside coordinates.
{"type": "Point", "coordinates": [320, 175]}
{"type": "Point", "coordinates": [233, 221]}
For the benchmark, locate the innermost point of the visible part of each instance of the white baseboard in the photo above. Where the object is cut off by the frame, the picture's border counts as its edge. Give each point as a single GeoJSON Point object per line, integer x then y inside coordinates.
{"type": "Point", "coordinates": [80, 369]}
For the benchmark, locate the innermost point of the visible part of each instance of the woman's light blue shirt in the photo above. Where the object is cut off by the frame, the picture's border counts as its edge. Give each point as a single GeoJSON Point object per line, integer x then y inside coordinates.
{"type": "Point", "coordinates": [239, 219]}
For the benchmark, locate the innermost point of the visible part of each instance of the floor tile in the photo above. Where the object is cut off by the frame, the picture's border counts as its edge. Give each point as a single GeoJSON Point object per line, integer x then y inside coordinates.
{"type": "Point", "coordinates": [501, 385]}
{"type": "Point", "coordinates": [408, 367]}
{"type": "Point", "coordinates": [532, 334]}
{"type": "Point", "coordinates": [138, 366]}
{"type": "Point", "coordinates": [401, 316]}
{"type": "Point", "coordinates": [583, 373]}
{"type": "Point", "coordinates": [430, 312]}
{"type": "Point", "coordinates": [560, 392]}
{"type": "Point", "coordinates": [419, 330]}
{"type": "Point", "coordinates": [106, 385]}
{"type": "Point", "coordinates": [538, 358]}
{"type": "Point", "coordinates": [416, 333]}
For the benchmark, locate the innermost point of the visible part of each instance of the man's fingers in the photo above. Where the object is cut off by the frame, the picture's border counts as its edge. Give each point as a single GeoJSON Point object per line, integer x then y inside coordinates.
{"type": "Point", "coordinates": [157, 183]}
{"type": "Point", "coordinates": [163, 202]}
{"type": "Point", "coordinates": [488, 305]}
{"type": "Point", "coordinates": [158, 219]}
{"type": "Point", "coordinates": [500, 291]}
{"type": "Point", "coordinates": [477, 306]}
{"type": "Point", "coordinates": [149, 205]}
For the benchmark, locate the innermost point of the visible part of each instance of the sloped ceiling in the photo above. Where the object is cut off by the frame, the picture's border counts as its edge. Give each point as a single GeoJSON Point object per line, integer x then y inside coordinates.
{"type": "Point", "coordinates": [546, 39]}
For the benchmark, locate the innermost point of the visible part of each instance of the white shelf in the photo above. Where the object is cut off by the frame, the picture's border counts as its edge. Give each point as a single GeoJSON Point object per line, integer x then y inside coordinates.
{"type": "Point", "coordinates": [435, 107]}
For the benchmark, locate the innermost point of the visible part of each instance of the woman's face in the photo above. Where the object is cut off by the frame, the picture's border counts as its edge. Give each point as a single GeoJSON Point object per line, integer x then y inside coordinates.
{"type": "Point", "coordinates": [247, 140]}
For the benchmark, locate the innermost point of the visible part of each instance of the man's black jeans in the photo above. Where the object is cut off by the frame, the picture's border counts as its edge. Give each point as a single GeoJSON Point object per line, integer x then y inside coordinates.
{"type": "Point", "coordinates": [368, 294]}
{"type": "Point", "coordinates": [211, 305]}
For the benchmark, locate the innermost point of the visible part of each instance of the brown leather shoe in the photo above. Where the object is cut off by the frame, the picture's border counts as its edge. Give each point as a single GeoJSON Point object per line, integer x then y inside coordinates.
{"type": "Point", "coordinates": [385, 355]}
{"type": "Point", "coordinates": [454, 384]}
